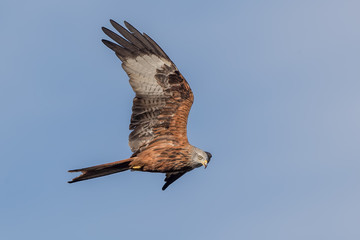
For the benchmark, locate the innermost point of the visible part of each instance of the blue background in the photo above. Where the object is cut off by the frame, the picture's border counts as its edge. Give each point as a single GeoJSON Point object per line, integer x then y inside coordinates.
{"type": "Point", "coordinates": [276, 87]}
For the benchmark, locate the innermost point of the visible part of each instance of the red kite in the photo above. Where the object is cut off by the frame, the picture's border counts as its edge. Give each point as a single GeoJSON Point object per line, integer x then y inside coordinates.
{"type": "Point", "coordinates": [159, 114]}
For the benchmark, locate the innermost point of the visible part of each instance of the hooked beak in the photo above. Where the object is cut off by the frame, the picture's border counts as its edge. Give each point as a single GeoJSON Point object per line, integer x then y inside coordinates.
{"type": "Point", "coordinates": [204, 163]}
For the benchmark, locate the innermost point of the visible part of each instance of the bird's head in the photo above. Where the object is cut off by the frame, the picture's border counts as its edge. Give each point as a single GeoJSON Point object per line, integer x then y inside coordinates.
{"type": "Point", "coordinates": [201, 158]}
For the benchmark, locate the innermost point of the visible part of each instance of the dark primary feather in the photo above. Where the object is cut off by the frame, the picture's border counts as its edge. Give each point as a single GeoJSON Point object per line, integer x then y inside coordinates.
{"type": "Point", "coordinates": [139, 36]}
{"type": "Point", "coordinates": [124, 52]}
{"type": "Point", "coordinates": [130, 37]}
{"type": "Point", "coordinates": [157, 47]}
{"type": "Point", "coordinates": [119, 39]}
{"type": "Point", "coordinates": [134, 41]}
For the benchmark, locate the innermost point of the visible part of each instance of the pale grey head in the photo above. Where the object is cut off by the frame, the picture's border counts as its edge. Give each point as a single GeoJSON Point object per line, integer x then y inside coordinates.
{"type": "Point", "coordinates": [200, 157]}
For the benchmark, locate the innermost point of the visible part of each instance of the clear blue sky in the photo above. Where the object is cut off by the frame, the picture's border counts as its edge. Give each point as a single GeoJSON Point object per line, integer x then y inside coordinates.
{"type": "Point", "coordinates": [277, 103]}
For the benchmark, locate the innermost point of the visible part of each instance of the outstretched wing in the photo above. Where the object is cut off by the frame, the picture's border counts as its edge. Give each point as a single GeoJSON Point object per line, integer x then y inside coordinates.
{"type": "Point", "coordinates": [163, 97]}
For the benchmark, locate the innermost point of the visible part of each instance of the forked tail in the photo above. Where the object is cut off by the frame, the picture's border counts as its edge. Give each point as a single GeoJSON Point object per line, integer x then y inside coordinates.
{"type": "Point", "coordinates": [101, 170]}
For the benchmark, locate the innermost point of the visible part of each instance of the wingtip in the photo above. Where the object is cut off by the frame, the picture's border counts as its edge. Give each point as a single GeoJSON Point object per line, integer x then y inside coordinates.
{"type": "Point", "coordinates": [107, 43]}
{"type": "Point", "coordinates": [114, 24]}
{"type": "Point", "coordinates": [128, 25]}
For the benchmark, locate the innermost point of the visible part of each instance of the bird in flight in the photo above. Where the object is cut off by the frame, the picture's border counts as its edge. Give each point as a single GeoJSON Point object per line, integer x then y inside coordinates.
{"type": "Point", "coordinates": [160, 110]}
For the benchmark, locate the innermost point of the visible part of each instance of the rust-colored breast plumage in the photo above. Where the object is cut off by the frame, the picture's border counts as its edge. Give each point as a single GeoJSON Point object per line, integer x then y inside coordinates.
{"type": "Point", "coordinates": [163, 157]}
{"type": "Point", "coordinates": [162, 102]}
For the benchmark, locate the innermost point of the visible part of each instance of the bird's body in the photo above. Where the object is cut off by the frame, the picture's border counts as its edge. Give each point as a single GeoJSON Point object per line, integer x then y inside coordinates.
{"type": "Point", "coordinates": [160, 111]}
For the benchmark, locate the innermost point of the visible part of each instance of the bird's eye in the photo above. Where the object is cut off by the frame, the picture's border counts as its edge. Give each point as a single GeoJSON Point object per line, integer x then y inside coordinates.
{"type": "Point", "coordinates": [200, 157]}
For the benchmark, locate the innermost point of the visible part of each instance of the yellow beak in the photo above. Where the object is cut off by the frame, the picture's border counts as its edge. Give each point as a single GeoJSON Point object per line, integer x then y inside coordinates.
{"type": "Point", "coordinates": [204, 163]}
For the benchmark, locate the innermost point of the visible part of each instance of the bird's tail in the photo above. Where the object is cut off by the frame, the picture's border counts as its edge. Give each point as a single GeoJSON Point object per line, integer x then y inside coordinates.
{"type": "Point", "coordinates": [101, 170]}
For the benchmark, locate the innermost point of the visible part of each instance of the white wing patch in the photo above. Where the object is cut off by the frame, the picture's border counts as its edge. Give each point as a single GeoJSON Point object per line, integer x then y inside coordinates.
{"type": "Point", "coordinates": [142, 71]}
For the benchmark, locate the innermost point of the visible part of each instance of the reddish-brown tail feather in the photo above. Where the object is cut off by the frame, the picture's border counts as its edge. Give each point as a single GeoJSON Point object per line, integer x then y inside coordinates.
{"type": "Point", "coordinates": [101, 170]}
